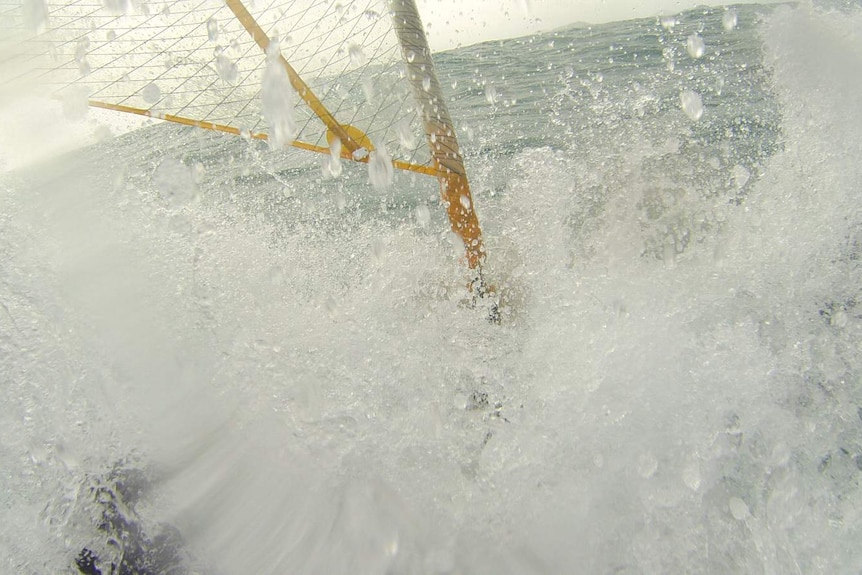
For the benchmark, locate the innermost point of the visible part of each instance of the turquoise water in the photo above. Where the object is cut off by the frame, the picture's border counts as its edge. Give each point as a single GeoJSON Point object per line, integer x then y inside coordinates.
{"type": "Point", "coordinates": [675, 386]}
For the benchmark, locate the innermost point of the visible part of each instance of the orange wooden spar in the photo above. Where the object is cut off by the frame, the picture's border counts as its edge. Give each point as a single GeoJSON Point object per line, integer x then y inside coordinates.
{"type": "Point", "coordinates": [455, 191]}
{"type": "Point", "coordinates": [399, 164]}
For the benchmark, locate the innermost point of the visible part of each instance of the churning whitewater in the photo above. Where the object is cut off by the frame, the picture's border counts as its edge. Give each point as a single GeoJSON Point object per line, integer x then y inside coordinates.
{"type": "Point", "coordinates": [220, 359]}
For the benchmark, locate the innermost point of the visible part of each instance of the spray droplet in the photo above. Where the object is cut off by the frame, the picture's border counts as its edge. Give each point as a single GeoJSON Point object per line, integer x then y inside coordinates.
{"type": "Point", "coordinates": [647, 465]}
{"type": "Point", "coordinates": [212, 29]}
{"type": "Point", "coordinates": [227, 70]}
{"type": "Point", "coordinates": [490, 94]}
{"type": "Point", "coordinates": [380, 170]}
{"type": "Point", "coordinates": [378, 249]}
{"type": "Point", "coordinates": [423, 215]}
{"type": "Point", "coordinates": [668, 22]}
{"type": "Point", "coordinates": [426, 83]}
{"type": "Point", "coordinates": [35, 15]}
{"type": "Point", "coordinates": [75, 103]}
{"type": "Point", "coordinates": [175, 182]}
{"type": "Point", "coordinates": [332, 163]}
{"type": "Point", "coordinates": [729, 20]}
{"type": "Point", "coordinates": [368, 90]}
{"type": "Point", "coordinates": [695, 46]}
{"type": "Point", "coordinates": [151, 93]}
{"type": "Point", "coordinates": [405, 136]}
{"type": "Point", "coordinates": [691, 477]}
{"type": "Point", "coordinates": [357, 56]}
{"type": "Point", "coordinates": [277, 97]}
{"type": "Point", "coordinates": [740, 176]}
{"type": "Point", "coordinates": [81, 48]}
{"type": "Point", "coordinates": [116, 7]}
{"type": "Point", "coordinates": [738, 509]}
{"type": "Point", "coordinates": [692, 104]}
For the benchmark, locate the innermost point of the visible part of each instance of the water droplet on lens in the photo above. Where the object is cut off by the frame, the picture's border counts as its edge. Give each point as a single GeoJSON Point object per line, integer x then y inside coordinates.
{"type": "Point", "coordinates": [490, 94]}
{"type": "Point", "coordinates": [692, 104]}
{"type": "Point", "coordinates": [212, 29]}
{"type": "Point", "coordinates": [729, 20]}
{"type": "Point", "coordinates": [357, 56]}
{"type": "Point", "coordinates": [151, 93]}
{"type": "Point", "coordinates": [695, 45]}
{"type": "Point", "coordinates": [423, 215]}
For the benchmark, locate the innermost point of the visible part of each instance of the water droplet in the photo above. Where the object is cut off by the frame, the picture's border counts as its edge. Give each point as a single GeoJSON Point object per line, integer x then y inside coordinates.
{"type": "Point", "coordinates": [740, 176]}
{"type": "Point", "coordinates": [647, 465]}
{"type": "Point", "coordinates": [35, 13]}
{"type": "Point", "coordinates": [692, 104]}
{"type": "Point", "coordinates": [405, 136]}
{"type": "Point", "coordinates": [212, 29]}
{"type": "Point", "coordinates": [151, 93]}
{"type": "Point", "coordinates": [695, 46]}
{"type": "Point", "coordinates": [426, 83]}
{"type": "Point", "coordinates": [465, 202]}
{"type": "Point", "coordinates": [332, 163]}
{"type": "Point", "coordinates": [838, 319]}
{"type": "Point", "coordinates": [738, 509]}
{"type": "Point", "coordinates": [111, 35]}
{"type": "Point", "coordinates": [75, 105]}
{"type": "Point", "coordinates": [368, 90]}
{"type": "Point", "coordinates": [227, 70]}
{"type": "Point", "coordinates": [81, 48]}
{"type": "Point", "coordinates": [668, 22]}
{"type": "Point", "coordinates": [277, 98]}
{"type": "Point", "coordinates": [378, 249]}
{"type": "Point", "coordinates": [357, 56]}
{"type": "Point", "coordinates": [691, 477]}
{"type": "Point", "coordinates": [490, 94]}
{"type": "Point", "coordinates": [729, 20]}
{"type": "Point", "coordinates": [116, 7]}
{"type": "Point", "coordinates": [380, 170]}
{"type": "Point", "coordinates": [276, 275]}
{"type": "Point", "coordinates": [423, 215]}
{"type": "Point", "coordinates": [411, 55]}
{"type": "Point", "coordinates": [175, 182]}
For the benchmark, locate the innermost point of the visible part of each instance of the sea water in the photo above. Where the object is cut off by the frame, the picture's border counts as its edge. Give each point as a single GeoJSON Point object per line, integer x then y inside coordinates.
{"type": "Point", "coordinates": [672, 213]}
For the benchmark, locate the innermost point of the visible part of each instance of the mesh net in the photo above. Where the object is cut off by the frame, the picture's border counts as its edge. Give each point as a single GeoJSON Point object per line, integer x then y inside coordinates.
{"type": "Point", "coordinates": [196, 60]}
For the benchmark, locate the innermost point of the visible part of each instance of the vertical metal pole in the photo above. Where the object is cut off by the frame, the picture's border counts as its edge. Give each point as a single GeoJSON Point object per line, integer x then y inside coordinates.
{"type": "Point", "coordinates": [454, 187]}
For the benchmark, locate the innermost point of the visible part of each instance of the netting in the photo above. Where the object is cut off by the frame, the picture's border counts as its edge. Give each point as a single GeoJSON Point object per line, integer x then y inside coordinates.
{"type": "Point", "coordinates": [200, 62]}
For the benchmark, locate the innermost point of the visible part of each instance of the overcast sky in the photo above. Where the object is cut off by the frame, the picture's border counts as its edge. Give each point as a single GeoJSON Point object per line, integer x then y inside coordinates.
{"type": "Point", "coordinates": [453, 23]}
